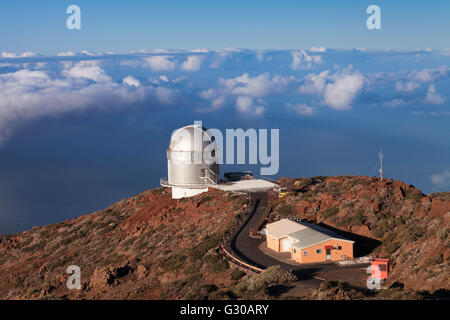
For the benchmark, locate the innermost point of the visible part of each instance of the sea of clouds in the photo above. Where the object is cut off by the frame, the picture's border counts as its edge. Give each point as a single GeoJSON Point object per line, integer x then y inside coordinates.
{"type": "Point", "coordinates": [304, 83]}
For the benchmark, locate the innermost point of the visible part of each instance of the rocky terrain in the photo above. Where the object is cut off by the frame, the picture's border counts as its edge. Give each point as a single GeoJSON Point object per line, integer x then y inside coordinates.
{"type": "Point", "coordinates": [387, 219]}
{"type": "Point", "coordinates": [150, 246]}
{"type": "Point", "coordinates": [146, 247]}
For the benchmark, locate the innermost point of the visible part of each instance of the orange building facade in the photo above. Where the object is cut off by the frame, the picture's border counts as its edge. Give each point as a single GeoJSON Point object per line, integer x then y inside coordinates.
{"type": "Point", "coordinates": [331, 250]}
{"type": "Point", "coordinates": [307, 243]}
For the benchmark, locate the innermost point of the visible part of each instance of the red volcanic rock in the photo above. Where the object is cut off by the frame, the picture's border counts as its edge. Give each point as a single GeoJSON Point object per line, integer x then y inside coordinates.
{"type": "Point", "coordinates": [301, 207]}
{"type": "Point", "coordinates": [413, 228]}
{"type": "Point", "coordinates": [361, 230]}
{"type": "Point", "coordinates": [439, 208]}
{"type": "Point", "coordinates": [127, 249]}
{"type": "Point", "coordinates": [151, 246]}
{"type": "Point", "coordinates": [102, 277]}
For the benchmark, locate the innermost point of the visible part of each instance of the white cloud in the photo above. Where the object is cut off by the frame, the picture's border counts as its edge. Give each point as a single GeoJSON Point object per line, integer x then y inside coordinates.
{"type": "Point", "coordinates": [261, 56]}
{"type": "Point", "coordinates": [246, 104]}
{"type": "Point", "coordinates": [131, 81]}
{"type": "Point", "coordinates": [409, 86]}
{"type": "Point", "coordinates": [317, 49]}
{"type": "Point", "coordinates": [29, 94]}
{"type": "Point", "coordinates": [441, 179]}
{"type": "Point", "coordinates": [13, 55]}
{"type": "Point", "coordinates": [40, 65]}
{"type": "Point", "coordinates": [200, 50]}
{"type": "Point", "coordinates": [8, 55]}
{"type": "Point", "coordinates": [160, 63]}
{"type": "Point", "coordinates": [340, 94]}
{"type": "Point", "coordinates": [217, 100]}
{"type": "Point", "coordinates": [88, 70]}
{"type": "Point", "coordinates": [302, 60]}
{"type": "Point", "coordinates": [302, 109]}
{"type": "Point", "coordinates": [429, 75]}
{"type": "Point", "coordinates": [66, 54]}
{"type": "Point", "coordinates": [314, 83]}
{"type": "Point", "coordinates": [89, 54]}
{"type": "Point", "coordinates": [220, 57]}
{"type": "Point", "coordinates": [338, 90]}
{"type": "Point", "coordinates": [434, 97]}
{"type": "Point", "coordinates": [192, 63]}
{"type": "Point", "coordinates": [258, 86]}
{"type": "Point", "coordinates": [208, 94]}
{"type": "Point", "coordinates": [397, 102]}
{"type": "Point", "coordinates": [164, 78]}
{"type": "Point", "coordinates": [158, 50]}
{"type": "Point", "coordinates": [28, 54]}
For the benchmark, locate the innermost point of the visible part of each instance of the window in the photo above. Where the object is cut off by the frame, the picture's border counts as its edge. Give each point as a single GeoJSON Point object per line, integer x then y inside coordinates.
{"type": "Point", "coordinates": [382, 267]}
{"type": "Point", "coordinates": [305, 253]}
{"type": "Point", "coordinates": [339, 247]}
{"type": "Point", "coordinates": [318, 251]}
{"type": "Point", "coordinates": [295, 251]}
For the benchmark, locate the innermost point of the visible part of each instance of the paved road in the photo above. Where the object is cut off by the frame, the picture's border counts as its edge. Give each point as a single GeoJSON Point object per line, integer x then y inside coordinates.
{"type": "Point", "coordinates": [246, 248]}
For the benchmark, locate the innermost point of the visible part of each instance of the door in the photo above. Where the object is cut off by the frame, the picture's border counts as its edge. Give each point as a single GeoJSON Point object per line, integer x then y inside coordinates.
{"type": "Point", "coordinates": [328, 254]}
{"type": "Point", "coordinates": [285, 246]}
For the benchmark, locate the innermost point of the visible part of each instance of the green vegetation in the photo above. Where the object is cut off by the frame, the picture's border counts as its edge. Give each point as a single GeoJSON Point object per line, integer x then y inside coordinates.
{"type": "Point", "coordinates": [272, 276]}
{"type": "Point", "coordinates": [175, 262]}
{"type": "Point", "coordinates": [413, 195]}
{"type": "Point", "coordinates": [239, 205]}
{"type": "Point", "coordinates": [391, 247]}
{"type": "Point", "coordinates": [202, 292]}
{"type": "Point", "coordinates": [358, 217]}
{"type": "Point", "coordinates": [398, 293]}
{"type": "Point", "coordinates": [284, 209]}
{"type": "Point", "coordinates": [443, 234]}
{"type": "Point", "coordinates": [216, 263]}
{"type": "Point", "coordinates": [209, 242]}
{"type": "Point", "coordinates": [328, 284]}
{"type": "Point", "coordinates": [330, 212]}
{"type": "Point", "coordinates": [237, 274]}
{"type": "Point", "coordinates": [433, 261]}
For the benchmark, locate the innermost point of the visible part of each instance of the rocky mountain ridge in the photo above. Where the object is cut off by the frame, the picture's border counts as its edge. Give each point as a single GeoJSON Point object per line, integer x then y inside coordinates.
{"type": "Point", "coordinates": [150, 246]}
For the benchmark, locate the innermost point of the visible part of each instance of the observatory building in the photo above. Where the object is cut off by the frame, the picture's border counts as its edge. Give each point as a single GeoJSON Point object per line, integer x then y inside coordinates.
{"type": "Point", "coordinates": [193, 166]}
{"type": "Point", "coordinates": [191, 162]}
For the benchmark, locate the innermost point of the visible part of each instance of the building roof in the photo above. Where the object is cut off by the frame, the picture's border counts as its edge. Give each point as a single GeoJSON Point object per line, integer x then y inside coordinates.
{"type": "Point", "coordinates": [254, 185]}
{"type": "Point", "coordinates": [283, 227]}
{"type": "Point", "coordinates": [306, 234]}
{"type": "Point", "coordinates": [190, 138]}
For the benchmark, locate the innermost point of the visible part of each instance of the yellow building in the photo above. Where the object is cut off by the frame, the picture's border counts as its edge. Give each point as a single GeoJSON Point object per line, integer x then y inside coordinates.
{"type": "Point", "coordinates": [306, 242]}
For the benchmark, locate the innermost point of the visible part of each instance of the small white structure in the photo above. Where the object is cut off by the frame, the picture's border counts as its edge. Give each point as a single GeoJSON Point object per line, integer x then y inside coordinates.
{"type": "Point", "coordinates": [191, 162]}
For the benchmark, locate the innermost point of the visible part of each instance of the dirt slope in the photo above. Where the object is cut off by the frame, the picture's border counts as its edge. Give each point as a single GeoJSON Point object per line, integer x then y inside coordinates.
{"type": "Point", "coordinates": [394, 220]}
{"type": "Point", "coordinates": [150, 246]}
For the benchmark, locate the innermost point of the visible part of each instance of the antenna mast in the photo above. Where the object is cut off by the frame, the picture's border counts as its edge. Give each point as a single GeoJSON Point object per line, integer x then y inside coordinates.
{"type": "Point", "coordinates": [380, 155]}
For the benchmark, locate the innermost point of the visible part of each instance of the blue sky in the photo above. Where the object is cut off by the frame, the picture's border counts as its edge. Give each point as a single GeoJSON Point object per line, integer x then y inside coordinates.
{"type": "Point", "coordinates": [122, 26]}
{"type": "Point", "coordinates": [86, 115]}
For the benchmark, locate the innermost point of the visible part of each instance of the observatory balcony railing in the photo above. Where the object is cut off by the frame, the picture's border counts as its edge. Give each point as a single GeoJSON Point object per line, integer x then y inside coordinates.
{"type": "Point", "coordinates": [164, 182]}
{"type": "Point", "coordinates": [208, 174]}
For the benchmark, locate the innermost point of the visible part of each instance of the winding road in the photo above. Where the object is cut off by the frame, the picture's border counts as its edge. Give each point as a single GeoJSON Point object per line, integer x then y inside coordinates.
{"type": "Point", "coordinates": [247, 249]}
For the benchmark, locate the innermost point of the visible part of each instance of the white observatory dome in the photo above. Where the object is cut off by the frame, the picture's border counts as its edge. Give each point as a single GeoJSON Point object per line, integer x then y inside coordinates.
{"type": "Point", "coordinates": [191, 158]}
{"type": "Point", "coordinates": [190, 138]}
